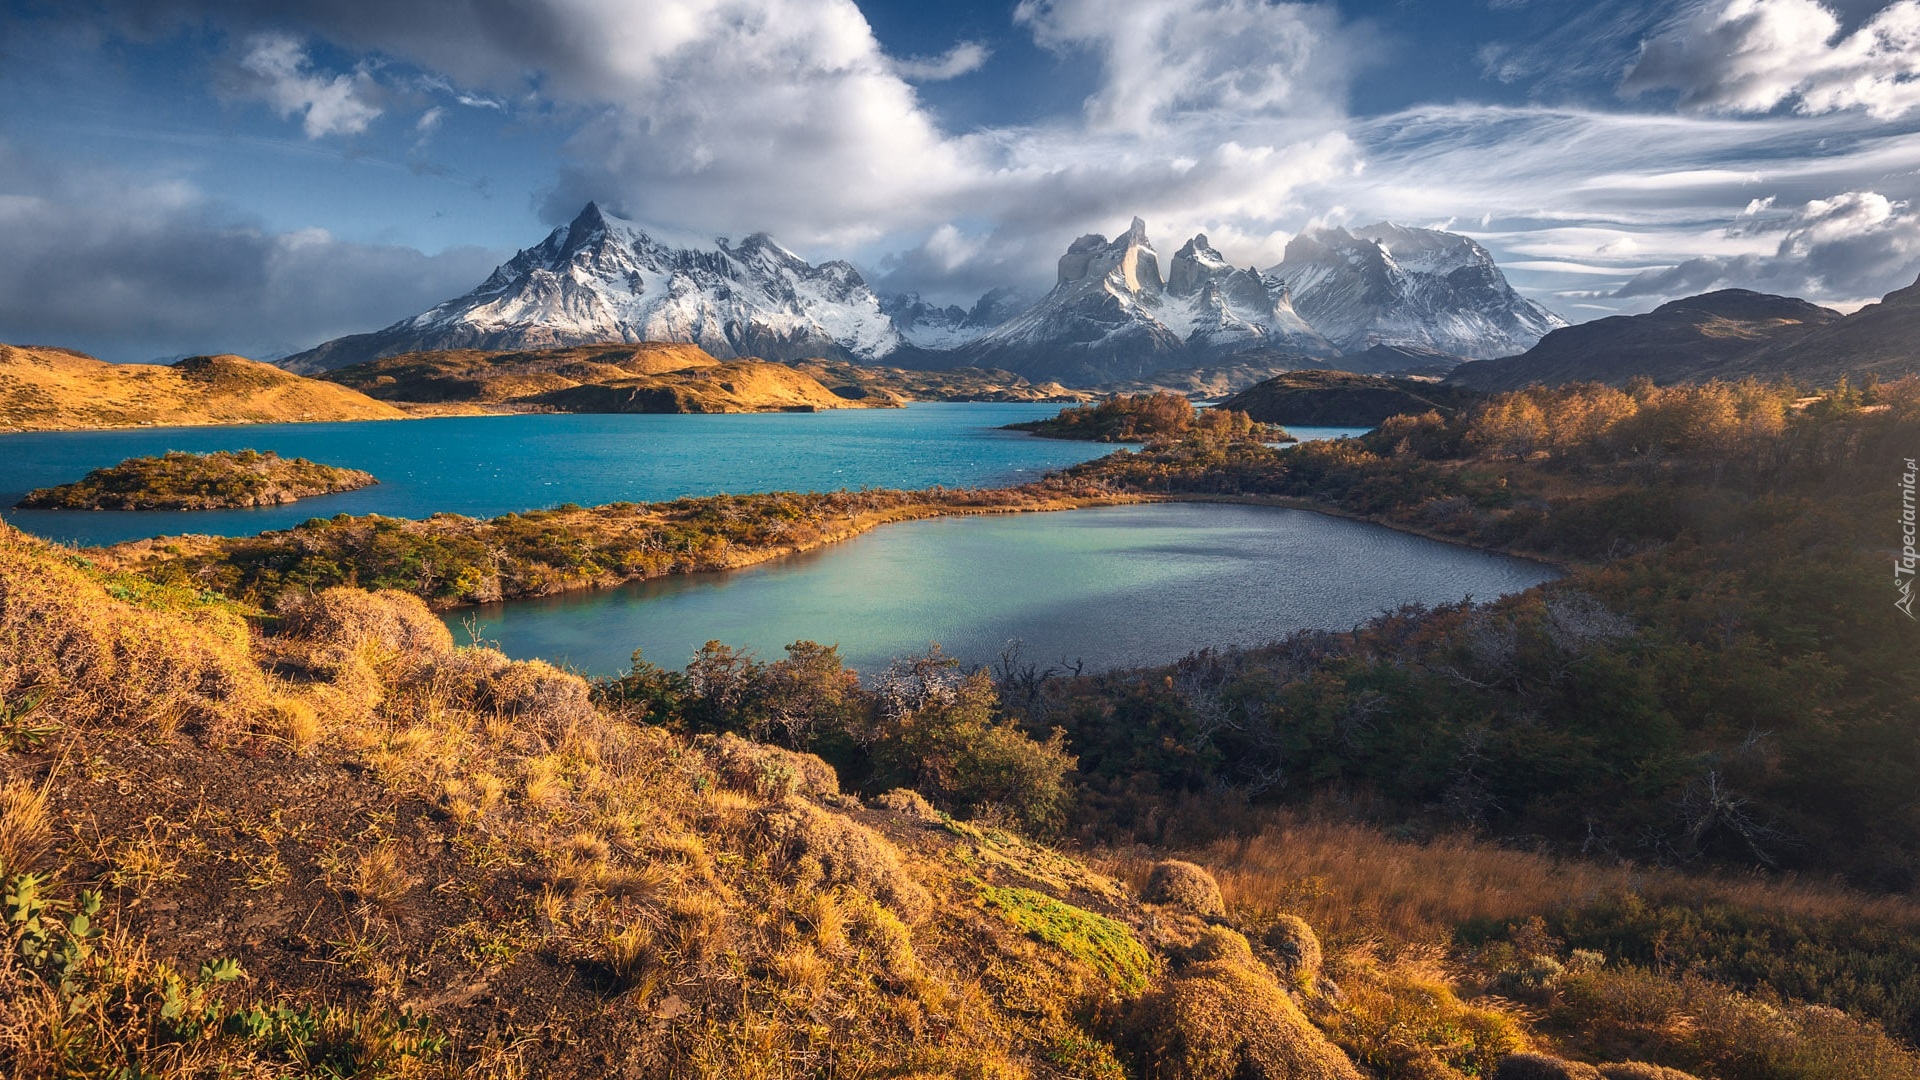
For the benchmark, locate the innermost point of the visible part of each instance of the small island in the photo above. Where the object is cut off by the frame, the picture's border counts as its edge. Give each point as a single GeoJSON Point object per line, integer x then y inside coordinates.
{"type": "Point", "coordinates": [1152, 418]}
{"type": "Point", "coordinates": [222, 480]}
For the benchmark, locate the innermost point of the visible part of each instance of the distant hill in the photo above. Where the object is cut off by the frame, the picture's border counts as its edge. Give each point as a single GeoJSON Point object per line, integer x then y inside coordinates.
{"type": "Point", "coordinates": [861, 381]}
{"type": "Point", "coordinates": [1686, 340]}
{"type": "Point", "coordinates": [1242, 370]}
{"type": "Point", "coordinates": [1880, 339]}
{"type": "Point", "coordinates": [1343, 399]}
{"type": "Point", "coordinates": [657, 377]}
{"type": "Point", "coordinates": [50, 389]}
{"type": "Point", "coordinates": [480, 377]}
{"type": "Point", "coordinates": [735, 387]}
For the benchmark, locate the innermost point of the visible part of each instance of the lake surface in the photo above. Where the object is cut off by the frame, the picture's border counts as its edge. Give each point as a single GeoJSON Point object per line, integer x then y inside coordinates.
{"type": "Point", "coordinates": [489, 465]}
{"type": "Point", "coordinates": [1113, 586]}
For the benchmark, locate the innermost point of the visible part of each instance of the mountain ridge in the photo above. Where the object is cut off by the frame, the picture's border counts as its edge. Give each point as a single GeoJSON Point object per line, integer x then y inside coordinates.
{"type": "Point", "coordinates": [1689, 339]}
{"type": "Point", "coordinates": [1115, 312]}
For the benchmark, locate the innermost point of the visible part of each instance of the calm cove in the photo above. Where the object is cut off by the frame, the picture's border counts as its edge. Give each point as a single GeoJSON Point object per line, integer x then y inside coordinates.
{"type": "Point", "coordinates": [1112, 586]}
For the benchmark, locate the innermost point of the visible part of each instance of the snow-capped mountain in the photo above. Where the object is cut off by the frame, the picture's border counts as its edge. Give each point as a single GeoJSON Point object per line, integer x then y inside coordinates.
{"type": "Point", "coordinates": [1111, 315]}
{"type": "Point", "coordinates": [1386, 284]}
{"type": "Point", "coordinates": [601, 278]}
{"type": "Point", "coordinates": [933, 328]}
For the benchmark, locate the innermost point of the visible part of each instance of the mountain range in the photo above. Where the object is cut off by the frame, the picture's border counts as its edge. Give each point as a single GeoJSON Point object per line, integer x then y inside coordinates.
{"type": "Point", "coordinates": [1111, 315]}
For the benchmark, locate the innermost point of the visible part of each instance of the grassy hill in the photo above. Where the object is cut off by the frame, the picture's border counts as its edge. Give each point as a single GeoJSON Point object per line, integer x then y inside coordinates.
{"type": "Point", "coordinates": [653, 377]}
{"type": "Point", "coordinates": [331, 842]}
{"type": "Point", "coordinates": [495, 378]}
{"type": "Point", "coordinates": [47, 389]}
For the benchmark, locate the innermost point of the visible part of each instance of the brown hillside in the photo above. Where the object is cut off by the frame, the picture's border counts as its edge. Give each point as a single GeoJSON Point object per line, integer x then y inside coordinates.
{"type": "Point", "coordinates": [1881, 340]}
{"type": "Point", "coordinates": [652, 377]}
{"type": "Point", "coordinates": [49, 389]}
{"type": "Point", "coordinates": [480, 377]}
{"type": "Point", "coordinates": [741, 386]}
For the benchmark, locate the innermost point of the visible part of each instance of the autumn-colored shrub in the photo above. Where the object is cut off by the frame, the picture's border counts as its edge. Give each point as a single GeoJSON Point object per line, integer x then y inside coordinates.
{"type": "Point", "coordinates": [1185, 886]}
{"type": "Point", "coordinates": [848, 853]}
{"type": "Point", "coordinates": [1297, 948]}
{"type": "Point", "coordinates": [1225, 1017]}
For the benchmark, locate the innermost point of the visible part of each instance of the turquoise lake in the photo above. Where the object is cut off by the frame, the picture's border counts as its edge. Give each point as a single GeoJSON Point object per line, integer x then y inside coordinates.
{"type": "Point", "coordinates": [484, 466]}
{"type": "Point", "coordinates": [1111, 586]}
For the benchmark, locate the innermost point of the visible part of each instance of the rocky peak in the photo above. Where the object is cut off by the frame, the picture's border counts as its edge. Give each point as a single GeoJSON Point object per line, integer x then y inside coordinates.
{"type": "Point", "coordinates": [1195, 264]}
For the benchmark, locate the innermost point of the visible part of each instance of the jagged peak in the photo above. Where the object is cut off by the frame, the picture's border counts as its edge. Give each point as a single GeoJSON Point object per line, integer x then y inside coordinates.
{"type": "Point", "coordinates": [1137, 233]}
{"type": "Point", "coordinates": [1090, 242]}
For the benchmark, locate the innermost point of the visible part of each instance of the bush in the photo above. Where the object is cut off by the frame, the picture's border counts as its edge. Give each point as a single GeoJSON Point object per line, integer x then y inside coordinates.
{"type": "Point", "coordinates": [1185, 886]}
{"type": "Point", "coordinates": [848, 853]}
{"type": "Point", "coordinates": [1543, 1067]}
{"type": "Point", "coordinates": [1298, 948]}
{"type": "Point", "coordinates": [1226, 1018]}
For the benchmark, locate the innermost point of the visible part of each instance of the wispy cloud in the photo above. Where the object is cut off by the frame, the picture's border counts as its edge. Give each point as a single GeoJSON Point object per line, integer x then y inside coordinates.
{"type": "Point", "coordinates": [963, 59]}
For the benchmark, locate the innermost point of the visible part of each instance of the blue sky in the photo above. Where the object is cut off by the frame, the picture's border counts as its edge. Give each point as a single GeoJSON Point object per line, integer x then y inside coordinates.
{"type": "Point", "coordinates": [195, 175]}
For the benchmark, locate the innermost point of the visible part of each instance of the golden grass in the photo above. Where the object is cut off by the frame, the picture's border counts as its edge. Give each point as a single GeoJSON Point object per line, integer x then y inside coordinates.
{"type": "Point", "coordinates": [43, 389]}
{"type": "Point", "coordinates": [98, 661]}
{"type": "Point", "coordinates": [1354, 884]}
{"type": "Point", "coordinates": [26, 830]}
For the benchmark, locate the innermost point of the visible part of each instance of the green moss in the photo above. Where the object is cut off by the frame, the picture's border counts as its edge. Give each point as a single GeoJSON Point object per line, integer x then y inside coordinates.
{"type": "Point", "coordinates": [1107, 946]}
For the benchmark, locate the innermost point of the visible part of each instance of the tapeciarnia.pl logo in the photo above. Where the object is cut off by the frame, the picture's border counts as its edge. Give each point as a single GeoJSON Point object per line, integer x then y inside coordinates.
{"type": "Point", "coordinates": [1903, 567]}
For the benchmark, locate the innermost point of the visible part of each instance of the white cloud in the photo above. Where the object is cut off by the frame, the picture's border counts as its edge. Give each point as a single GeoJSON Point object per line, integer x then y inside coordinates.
{"type": "Point", "coordinates": [1851, 246]}
{"type": "Point", "coordinates": [1167, 59]}
{"type": "Point", "coordinates": [1752, 56]}
{"type": "Point", "coordinates": [962, 59]}
{"type": "Point", "coordinates": [277, 70]}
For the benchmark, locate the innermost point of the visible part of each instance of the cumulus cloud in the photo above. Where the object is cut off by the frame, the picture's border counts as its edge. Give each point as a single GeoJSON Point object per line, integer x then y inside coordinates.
{"type": "Point", "coordinates": [1752, 56]}
{"type": "Point", "coordinates": [1853, 246]}
{"type": "Point", "coordinates": [131, 268]}
{"type": "Point", "coordinates": [274, 68]}
{"type": "Point", "coordinates": [962, 59]}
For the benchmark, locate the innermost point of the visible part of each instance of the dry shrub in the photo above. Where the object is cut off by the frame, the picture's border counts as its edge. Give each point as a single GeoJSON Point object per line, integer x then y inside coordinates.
{"type": "Point", "coordinates": [1408, 1023]}
{"type": "Point", "coordinates": [1297, 948]}
{"type": "Point", "coordinates": [294, 721]}
{"type": "Point", "coordinates": [1640, 1070]}
{"type": "Point", "coordinates": [1183, 885]}
{"type": "Point", "coordinates": [548, 701]}
{"type": "Point", "coordinates": [1544, 1067]}
{"type": "Point", "coordinates": [25, 830]}
{"type": "Point", "coordinates": [341, 622]}
{"type": "Point", "coordinates": [850, 854]}
{"type": "Point", "coordinates": [909, 802]}
{"type": "Point", "coordinates": [101, 660]}
{"type": "Point", "coordinates": [1225, 1017]}
{"type": "Point", "coordinates": [770, 771]}
{"type": "Point", "coordinates": [1219, 943]}
{"type": "Point", "coordinates": [464, 675]}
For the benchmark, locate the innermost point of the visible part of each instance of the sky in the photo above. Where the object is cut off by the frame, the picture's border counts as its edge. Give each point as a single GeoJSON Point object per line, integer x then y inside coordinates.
{"type": "Point", "coordinates": [182, 176]}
